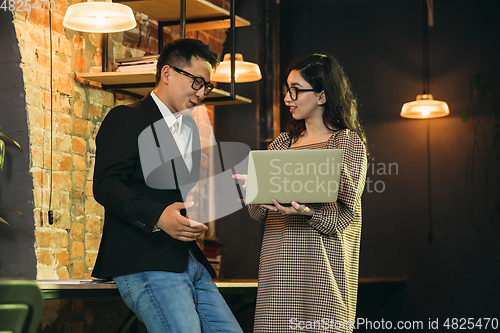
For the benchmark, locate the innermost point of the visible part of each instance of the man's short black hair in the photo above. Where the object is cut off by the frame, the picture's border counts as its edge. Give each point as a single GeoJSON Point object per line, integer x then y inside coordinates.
{"type": "Point", "coordinates": [180, 52]}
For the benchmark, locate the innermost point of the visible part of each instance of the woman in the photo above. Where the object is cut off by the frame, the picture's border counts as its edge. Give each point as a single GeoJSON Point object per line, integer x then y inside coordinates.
{"type": "Point", "coordinates": [308, 271]}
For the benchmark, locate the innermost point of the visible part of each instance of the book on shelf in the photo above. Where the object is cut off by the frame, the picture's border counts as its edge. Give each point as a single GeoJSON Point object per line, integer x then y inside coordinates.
{"type": "Point", "coordinates": [137, 64]}
{"type": "Point", "coordinates": [134, 68]}
{"type": "Point", "coordinates": [137, 60]}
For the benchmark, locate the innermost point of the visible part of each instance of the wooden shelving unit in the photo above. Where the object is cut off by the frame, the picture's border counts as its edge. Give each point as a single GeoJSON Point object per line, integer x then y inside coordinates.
{"type": "Point", "coordinates": [200, 15]}
{"type": "Point", "coordinates": [141, 83]}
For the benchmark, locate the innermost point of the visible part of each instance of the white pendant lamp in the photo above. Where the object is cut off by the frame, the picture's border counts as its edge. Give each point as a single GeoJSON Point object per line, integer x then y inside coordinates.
{"type": "Point", "coordinates": [101, 17]}
{"type": "Point", "coordinates": [244, 71]}
{"type": "Point", "coordinates": [425, 107]}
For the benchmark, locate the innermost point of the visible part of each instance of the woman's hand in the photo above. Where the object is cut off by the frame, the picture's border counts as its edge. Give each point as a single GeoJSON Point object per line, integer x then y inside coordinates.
{"type": "Point", "coordinates": [241, 177]}
{"type": "Point", "coordinates": [295, 208]}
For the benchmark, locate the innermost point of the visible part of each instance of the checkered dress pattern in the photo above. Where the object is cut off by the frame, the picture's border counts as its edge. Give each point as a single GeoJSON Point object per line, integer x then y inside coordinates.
{"type": "Point", "coordinates": [308, 272]}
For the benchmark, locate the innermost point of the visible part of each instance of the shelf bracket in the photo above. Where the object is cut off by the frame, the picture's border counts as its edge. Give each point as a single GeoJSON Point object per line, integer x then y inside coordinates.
{"type": "Point", "coordinates": [183, 19]}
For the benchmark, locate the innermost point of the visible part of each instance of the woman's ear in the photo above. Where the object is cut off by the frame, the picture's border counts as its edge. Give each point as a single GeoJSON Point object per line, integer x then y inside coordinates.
{"type": "Point", "coordinates": [321, 98]}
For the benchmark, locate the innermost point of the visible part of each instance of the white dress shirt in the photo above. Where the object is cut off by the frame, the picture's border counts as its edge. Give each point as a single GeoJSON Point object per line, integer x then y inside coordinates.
{"type": "Point", "coordinates": [181, 131]}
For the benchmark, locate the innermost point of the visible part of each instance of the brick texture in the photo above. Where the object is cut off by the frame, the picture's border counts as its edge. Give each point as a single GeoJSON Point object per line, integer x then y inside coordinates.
{"type": "Point", "coordinates": [63, 125]}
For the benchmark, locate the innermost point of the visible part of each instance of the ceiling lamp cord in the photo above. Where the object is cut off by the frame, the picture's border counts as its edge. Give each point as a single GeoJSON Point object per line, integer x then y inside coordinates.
{"type": "Point", "coordinates": [50, 213]}
{"type": "Point", "coordinates": [425, 57]}
{"type": "Point", "coordinates": [429, 191]}
{"type": "Point", "coordinates": [425, 50]}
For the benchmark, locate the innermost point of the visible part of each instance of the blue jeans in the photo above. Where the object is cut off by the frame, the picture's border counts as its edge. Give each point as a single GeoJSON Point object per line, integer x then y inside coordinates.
{"type": "Point", "coordinates": [177, 302]}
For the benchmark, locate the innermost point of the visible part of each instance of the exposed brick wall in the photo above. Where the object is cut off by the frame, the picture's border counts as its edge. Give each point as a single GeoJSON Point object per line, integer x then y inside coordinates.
{"type": "Point", "coordinates": [68, 248]}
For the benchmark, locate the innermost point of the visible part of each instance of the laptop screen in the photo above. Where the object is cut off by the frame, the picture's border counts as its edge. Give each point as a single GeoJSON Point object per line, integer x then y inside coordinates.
{"type": "Point", "coordinates": [305, 176]}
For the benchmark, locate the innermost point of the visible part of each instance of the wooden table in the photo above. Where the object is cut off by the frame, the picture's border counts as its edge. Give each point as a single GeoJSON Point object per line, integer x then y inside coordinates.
{"type": "Point", "coordinates": [373, 288]}
{"type": "Point", "coordinates": [60, 289]}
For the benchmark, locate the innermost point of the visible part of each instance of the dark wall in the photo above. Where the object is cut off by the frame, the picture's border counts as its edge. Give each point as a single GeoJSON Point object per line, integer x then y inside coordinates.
{"type": "Point", "coordinates": [17, 240]}
{"type": "Point", "coordinates": [379, 43]}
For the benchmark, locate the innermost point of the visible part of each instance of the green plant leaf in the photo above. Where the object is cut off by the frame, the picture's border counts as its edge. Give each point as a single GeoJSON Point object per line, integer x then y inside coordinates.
{"type": "Point", "coordinates": [2, 160]}
{"type": "Point", "coordinates": [495, 139]}
{"type": "Point", "coordinates": [478, 83]}
{"type": "Point", "coordinates": [12, 210]}
{"type": "Point", "coordinates": [10, 139]}
{"type": "Point", "coordinates": [465, 115]}
{"type": "Point", "coordinates": [2, 153]}
{"type": "Point", "coordinates": [479, 79]}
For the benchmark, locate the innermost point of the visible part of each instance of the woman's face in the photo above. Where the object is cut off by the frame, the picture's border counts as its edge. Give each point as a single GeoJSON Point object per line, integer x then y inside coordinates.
{"type": "Point", "coordinates": [308, 103]}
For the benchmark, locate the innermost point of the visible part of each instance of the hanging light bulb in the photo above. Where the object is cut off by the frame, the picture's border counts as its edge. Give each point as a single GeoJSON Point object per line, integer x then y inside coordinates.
{"type": "Point", "coordinates": [244, 71]}
{"type": "Point", "coordinates": [425, 107]}
{"type": "Point", "coordinates": [103, 17]}
{"type": "Point", "coordinates": [100, 22]}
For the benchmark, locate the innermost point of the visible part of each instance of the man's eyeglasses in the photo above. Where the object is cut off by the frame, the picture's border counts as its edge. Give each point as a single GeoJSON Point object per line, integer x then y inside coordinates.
{"type": "Point", "coordinates": [293, 91]}
{"type": "Point", "coordinates": [198, 81]}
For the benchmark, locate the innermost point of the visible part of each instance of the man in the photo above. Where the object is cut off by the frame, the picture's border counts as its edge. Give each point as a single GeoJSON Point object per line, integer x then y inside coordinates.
{"type": "Point", "coordinates": [148, 246]}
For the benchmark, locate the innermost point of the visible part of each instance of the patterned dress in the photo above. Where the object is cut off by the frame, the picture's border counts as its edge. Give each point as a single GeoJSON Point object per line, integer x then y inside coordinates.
{"type": "Point", "coordinates": [308, 272]}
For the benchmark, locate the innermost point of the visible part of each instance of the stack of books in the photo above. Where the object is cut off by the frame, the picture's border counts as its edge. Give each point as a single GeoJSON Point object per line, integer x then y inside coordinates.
{"type": "Point", "coordinates": [147, 63]}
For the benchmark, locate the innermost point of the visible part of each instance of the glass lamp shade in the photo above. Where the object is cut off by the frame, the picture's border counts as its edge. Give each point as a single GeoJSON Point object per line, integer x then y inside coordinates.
{"type": "Point", "coordinates": [425, 107]}
{"type": "Point", "coordinates": [244, 71]}
{"type": "Point", "coordinates": [104, 17]}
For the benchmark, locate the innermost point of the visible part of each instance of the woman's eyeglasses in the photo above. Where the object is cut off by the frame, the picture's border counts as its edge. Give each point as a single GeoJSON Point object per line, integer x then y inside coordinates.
{"type": "Point", "coordinates": [198, 81]}
{"type": "Point", "coordinates": [293, 91]}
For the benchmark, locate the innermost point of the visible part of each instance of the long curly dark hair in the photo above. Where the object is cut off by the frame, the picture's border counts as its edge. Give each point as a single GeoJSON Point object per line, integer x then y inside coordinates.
{"type": "Point", "coordinates": [324, 73]}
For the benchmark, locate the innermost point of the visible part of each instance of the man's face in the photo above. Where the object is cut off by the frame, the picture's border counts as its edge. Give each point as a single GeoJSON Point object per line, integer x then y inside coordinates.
{"type": "Point", "coordinates": [181, 95]}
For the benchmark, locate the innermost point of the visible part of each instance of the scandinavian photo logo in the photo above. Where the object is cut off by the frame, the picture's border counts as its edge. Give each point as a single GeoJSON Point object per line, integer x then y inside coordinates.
{"type": "Point", "coordinates": [284, 177]}
{"type": "Point", "coordinates": [378, 170]}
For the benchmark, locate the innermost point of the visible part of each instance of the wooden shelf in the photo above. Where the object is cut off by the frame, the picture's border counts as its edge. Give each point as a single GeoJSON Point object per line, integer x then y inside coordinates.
{"type": "Point", "coordinates": [141, 83]}
{"type": "Point", "coordinates": [200, 14]}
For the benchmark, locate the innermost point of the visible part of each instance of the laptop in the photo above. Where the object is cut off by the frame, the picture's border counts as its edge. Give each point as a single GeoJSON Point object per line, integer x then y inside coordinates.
{"type": "Point", "coordinates": [305, 176]}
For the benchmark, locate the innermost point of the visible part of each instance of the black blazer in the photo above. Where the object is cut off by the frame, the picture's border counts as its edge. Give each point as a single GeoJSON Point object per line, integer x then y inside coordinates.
{"type": "Point", "coordinates": [132, 208]}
